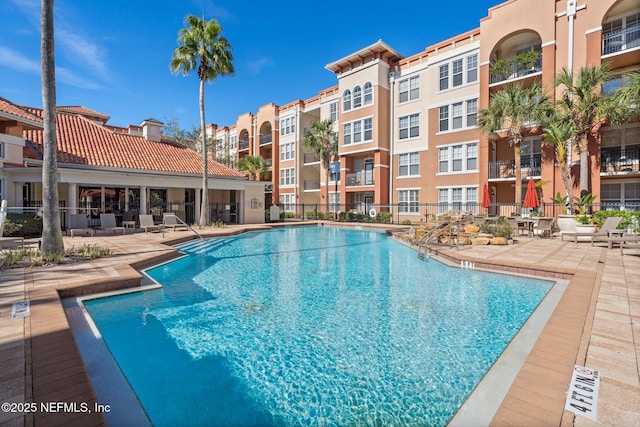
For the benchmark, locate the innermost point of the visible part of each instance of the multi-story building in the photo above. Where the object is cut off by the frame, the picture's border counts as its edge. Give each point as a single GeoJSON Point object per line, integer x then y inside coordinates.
{"type": "Point", "coordinates": [407, 126]}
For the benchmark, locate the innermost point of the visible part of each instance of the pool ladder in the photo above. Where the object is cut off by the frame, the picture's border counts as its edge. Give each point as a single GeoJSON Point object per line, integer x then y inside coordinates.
{"type": "Point", "coordinates": [423, 241]}
{"type": "Point", "coordinates": [164, 217]}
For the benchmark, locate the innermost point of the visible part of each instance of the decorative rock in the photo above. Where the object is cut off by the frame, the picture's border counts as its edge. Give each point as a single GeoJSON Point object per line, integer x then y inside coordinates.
{"type": "Point", "coordinates": [465, 240]}
{"type": "Point", "coordinates": [480, 241]}
{"type": "Point", "coordinates": [485, 235]}
{"type": "Point", "coordinates": [499, 241]}
{"type": "Point", "coordinates": [471, 228]}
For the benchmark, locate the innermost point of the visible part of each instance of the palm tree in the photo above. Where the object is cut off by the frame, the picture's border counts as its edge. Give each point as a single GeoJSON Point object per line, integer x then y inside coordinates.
{"type": "Point", "coordinates": [201, 46]}
{"type": "Point", "coordinates": [558, 134]}
{"type": "Point", "coordinates": [253, 165]}
{"type": "Point", "coordinates": [322, 141]}
{"type": "Point", "coordinates": [51, 231]}
{"type": "Point", "coordinates": [514, 110]}
{"type": "Point", "coordinates": [583, 105]}
{"type": "Point", "coordinates": [628, 96]}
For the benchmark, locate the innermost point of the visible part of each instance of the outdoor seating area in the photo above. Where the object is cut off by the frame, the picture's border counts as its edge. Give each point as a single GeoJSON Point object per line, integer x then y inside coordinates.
{"type": "Point", "coordinates": [79, 225]}
{"type": "Point", "coordinates": [608, 230]}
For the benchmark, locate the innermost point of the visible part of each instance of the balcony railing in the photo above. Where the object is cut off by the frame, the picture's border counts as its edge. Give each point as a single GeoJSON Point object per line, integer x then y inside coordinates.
{"type": "Point", "coordinates": [243, 144]}
{"type": "Point", "coordinates": [312, 184]}
{"type": "Point", "coordinates": [311, 158]}
{"type": "Point", "coordinates": [620, 40]}
{"type": "Point", "coordinates": [505, 169]}
{"type": "Point", "coordinates": [619, 160]}
{"type": "Point", "coordinates": [512, 68]}
{"type": "Point", "coordinates": [359, 178]}
{"type": "Point", "coordinates": [265, 139]}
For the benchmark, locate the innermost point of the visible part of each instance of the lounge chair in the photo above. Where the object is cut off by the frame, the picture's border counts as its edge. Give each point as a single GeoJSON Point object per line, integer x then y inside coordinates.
{"type": "Point", "coordinates": [603, 234]}
{"type": "Point", "coordinates": [146, 222]}
{"type": "Point", "coordinates": [108, 223]}
{"type": "Point", "coordinates": [78, 225]}
{"type": "Point", "coordinates": [170, 220]}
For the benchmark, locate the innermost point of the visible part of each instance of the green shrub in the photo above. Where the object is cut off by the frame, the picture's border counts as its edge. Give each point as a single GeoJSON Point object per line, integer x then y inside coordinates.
{"type": "Point", "coordinates": [311, 215]}
{"type": "Point", "coordinates": [22, 225]}
{"type": "Point", "coordinates": [406, 222]}
{"type": "Point", "coordinates": [499, 229]}
{"type": "Point", "coordinates": [629, 219]}
{"type": "Point", "coordinates": [383, 218]}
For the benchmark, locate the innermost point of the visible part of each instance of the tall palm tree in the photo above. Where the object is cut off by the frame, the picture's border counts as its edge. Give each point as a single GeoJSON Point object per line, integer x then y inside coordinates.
{"type": "Point", "coordinates": [628, 96]}
{"type": "Point", "coordinates": [558, 133]}
{"type": "Point", "coordinates": [583, 105]}
{"type": "Point", "coordinates": [253, 165]}
{"type": "Point", "coordinates": [201, 46]}
{"type": "Point", "coordinates": [514, 110]}
{"type": "Point", "coordinates": [51, 231]}
{"type": "Point", "coordinates": [323, 141]}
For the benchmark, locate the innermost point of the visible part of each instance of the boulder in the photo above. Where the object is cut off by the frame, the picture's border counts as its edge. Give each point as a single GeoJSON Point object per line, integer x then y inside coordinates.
{"type": "Point", "coordinates": [471, 228]}
{"type": "Point", "coordinates": [480, 241]}
{"type": "Point", "coordinates": [499, 241]}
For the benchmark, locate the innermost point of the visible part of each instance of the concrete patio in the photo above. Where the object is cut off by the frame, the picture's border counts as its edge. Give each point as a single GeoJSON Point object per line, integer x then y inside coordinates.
{"type": "Point", "coordinates": [595, 324]}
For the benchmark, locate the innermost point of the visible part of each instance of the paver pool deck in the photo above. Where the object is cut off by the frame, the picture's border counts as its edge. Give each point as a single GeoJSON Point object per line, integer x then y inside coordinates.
{"type": "Point", "coordinates": [596, 324]}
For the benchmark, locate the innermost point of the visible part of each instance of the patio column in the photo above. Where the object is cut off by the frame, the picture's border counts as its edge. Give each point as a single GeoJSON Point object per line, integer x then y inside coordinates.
{"type": "Point", "coordinates": [73, 198]}
{"type": "Point", "coordinates": [143, 200]}
{"type": "Point", "coordinates": [17, 194]}
{"type": "Point", "coordinates": [197, 205]}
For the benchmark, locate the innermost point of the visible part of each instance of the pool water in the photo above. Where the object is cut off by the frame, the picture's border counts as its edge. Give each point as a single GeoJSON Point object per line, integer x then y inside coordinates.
{"type": "Point", "coordinates": [311, 326]}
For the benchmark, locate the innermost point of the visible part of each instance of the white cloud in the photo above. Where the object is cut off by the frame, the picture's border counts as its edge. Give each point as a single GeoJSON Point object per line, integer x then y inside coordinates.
{"type": "Point", "coordinates": [15, 60]}
{"type": "Point", "coordinates": [256, 66]}
{"type": "Point", "coordinates": [83, 51]}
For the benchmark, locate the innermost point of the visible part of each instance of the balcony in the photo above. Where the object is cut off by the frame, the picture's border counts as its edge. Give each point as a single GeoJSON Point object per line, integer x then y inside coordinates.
{"type": "Point", "coordinates": [525, 64]}
{"type": "Point", "coordinates": [621, 40]}
{"type": "Point", "coordinates": [311, 158]}
{"type": "Point", "coordinates": [243, 145]}
{"type": "Point", "coordinates": [265, 139]}
{"type": "Point", "coordinates": [268, 162]}
{"type": "Point", "coordinates": [613, 160]}
{"type": "Point", "coordinates": [506, 169]}
{"type": "Point", "coordinates": [311, 185]}
{"type": "Point", "coordinates": [359, 178]}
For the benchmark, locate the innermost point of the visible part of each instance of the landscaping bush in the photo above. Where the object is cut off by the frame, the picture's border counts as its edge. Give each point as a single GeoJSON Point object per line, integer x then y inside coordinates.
{"type": "Point", "coordinates": [311, 215]}
{"type": "Point", "coordinates": [629, 219]}
{"type": "Point", "coordinates": [383, 218]}
{"type": "Point", "coordinates": [22, 225]}
{"type": "Point", "coordinates": [499, 229]}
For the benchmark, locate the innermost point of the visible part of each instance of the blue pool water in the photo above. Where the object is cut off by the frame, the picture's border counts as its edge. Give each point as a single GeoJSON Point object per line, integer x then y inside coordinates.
{"type": "Point", "coordinates": [311, 326]}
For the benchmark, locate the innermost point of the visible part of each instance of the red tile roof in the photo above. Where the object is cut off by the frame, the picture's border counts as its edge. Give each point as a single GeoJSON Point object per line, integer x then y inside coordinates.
{"type": "Point", "coordinates": [14, 110]}
{"type": "Point", "coordinates": [82, 110]}
{"type": "Point", "coordinates": [83, 142]}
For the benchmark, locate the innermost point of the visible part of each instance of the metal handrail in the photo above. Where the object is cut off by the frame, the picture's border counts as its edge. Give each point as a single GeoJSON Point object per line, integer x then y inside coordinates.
{"type": "Point", "coordinates": [425, 239]}
{"type": "Point", "coordinates": [164, 217]}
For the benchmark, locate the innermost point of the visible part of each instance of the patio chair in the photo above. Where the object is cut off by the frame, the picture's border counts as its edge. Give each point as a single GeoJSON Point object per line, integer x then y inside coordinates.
{"type": "Point", "coordinates": [608, 228]}
{"type": "Point", "coordinates": [544, 227]}
{"type": "Point", "coordinates": [170, 220]}
{"type": "Point", "coordinates": [78, 225]}
{"type": "Point", "coordinates": [518, 227]}
{"type": "Point", "coordinates": [146, 222]}
{"type": "Point", "coordinates": [108, 223]}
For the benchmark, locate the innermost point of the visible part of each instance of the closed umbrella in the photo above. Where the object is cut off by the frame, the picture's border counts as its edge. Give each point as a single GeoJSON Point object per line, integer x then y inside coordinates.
{"type": "Point", "coordinates": [531, 200]}
{"type": "Point", "coordinates": [486, 200]}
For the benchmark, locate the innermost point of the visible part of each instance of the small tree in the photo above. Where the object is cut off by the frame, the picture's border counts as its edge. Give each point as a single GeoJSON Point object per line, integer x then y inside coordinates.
{"type": "Point", "coordinates": [322, 141]}
{"type": "Point", "coordinates": [253, 165]}
{"type": "Point", "coordinates": [558, 134]}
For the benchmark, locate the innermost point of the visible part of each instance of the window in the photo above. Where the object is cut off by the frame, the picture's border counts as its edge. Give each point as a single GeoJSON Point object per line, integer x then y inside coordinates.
{"type": "Point", "coordinates": [472, 112]}
{"type": "Point", "coordinates": [368, 129]}
{"type": "Point", "coordinates": [472, 68]}
{"type": "Point", "coordinates": [458, 158]}
{"type": "Point", "coordinates": [368, 93]}
{"type": "Point", "coordinates": [352, 132]}
{"type": "Point", "coordinates": [457, 72]}
{"type": "Point", "coordinates": [2, 150]}
{"type": "Point", "coordinates": [287, 176]}
{"type": "Point", "coordinates": [409, 126]}
{"type": "Point", "coordinates": [346, 133]}
{"type": "Point", "coordinates": [444, 118]}
{"type": "Point", "coordinates": [408, 201]}
{"type": "Point", "coordinates": [333, 111]}
{"type": "Point", "coordinates": [409, 89]}
{"type": "Point", "coordinates": [287, 126]}
{"type": "Point", "coordinates": [457, 116]}
{"type": "Point", "coordinates": [346, 100]}
{"type": "Point", "coordinates": [288, 202]}
{"type": "Point", "coordinates": [287, 151]}
{"type": "Point", "coordinates": [334, 202]}
{"type": "Point", "coordinates": [334, 171]}
{"type": "Point", "coordinates": [357, 97]}
{"type": "Point", "coordinates": [444, 77]}
{"type": "Point", "coordinates": [408, 164]}
{"type": "Point", "coordinates": [457, 198]}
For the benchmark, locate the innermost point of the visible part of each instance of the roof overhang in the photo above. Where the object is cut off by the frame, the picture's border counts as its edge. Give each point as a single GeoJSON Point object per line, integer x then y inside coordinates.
{"type": "Point", "coordinates": [377, 50]}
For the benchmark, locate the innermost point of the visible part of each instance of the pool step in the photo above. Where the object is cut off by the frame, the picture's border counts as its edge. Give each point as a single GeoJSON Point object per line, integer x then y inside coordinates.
{"type": "Point", "coordinates": [201, 246]}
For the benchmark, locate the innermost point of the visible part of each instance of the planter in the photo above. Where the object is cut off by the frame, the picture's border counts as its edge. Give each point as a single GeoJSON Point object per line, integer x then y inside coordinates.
{"type": "Point", "coordinates": [585, 228]}
{"type": "Point", "coordinates": [567, 223]}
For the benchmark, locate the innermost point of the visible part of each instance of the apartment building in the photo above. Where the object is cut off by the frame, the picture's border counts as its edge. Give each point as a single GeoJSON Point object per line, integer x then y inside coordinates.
{"type": "Point", "coordinates": [407, 126]}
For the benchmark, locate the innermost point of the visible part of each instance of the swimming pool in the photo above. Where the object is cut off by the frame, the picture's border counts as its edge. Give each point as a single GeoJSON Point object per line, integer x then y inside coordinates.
{"type": "Point", "coordinates": [311, 326]}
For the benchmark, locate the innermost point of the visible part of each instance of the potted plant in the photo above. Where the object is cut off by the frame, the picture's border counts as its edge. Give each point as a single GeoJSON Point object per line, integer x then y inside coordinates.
{"type": "Point", "coordinates": [566, 221]}
{"type": "Point", "coordinates": [526, 61]}
{"type": "Point", "coordinates": [501, 69]}
{"type": "Point", "coordinates": [585, 221]}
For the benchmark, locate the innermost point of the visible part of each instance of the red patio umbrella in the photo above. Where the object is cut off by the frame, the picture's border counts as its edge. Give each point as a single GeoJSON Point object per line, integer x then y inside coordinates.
{"type": "Point", "coordinates": [486, 199]}
{"type": "Point", "coordinates": [531, 198]}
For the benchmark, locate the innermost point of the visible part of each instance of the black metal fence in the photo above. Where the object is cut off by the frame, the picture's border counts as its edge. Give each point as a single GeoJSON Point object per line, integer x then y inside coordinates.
{"type": "Point", "coordinates": [417, 213]}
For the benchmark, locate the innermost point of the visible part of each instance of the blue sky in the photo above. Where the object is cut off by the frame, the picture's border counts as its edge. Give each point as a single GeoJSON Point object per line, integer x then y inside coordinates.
{"type": "Point", "coordinates": [114, 56]}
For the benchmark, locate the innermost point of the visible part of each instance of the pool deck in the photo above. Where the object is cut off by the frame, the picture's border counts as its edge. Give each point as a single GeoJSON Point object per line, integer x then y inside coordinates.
{"type": "Point", "coordinates": [595, 324]}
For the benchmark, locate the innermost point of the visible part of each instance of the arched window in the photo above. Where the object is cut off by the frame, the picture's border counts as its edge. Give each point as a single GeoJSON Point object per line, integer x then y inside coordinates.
{"type": "Point", "coordinates": [357, 97]}
{"type": "Point", "coordinates": [346, 100]}
{"type": "Point", "coordinates": [368, 93]}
